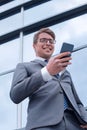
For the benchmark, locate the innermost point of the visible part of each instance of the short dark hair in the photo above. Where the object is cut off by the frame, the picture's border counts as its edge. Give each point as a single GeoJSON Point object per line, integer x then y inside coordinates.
{"type": "Point", "coordinates": [43, 30]}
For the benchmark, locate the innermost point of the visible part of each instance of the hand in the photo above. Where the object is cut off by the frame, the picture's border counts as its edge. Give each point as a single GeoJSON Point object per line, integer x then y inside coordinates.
{"type": "Point", "coordinates": [83, 126]}
{"type": "Point", "coordinates": [58, 63]}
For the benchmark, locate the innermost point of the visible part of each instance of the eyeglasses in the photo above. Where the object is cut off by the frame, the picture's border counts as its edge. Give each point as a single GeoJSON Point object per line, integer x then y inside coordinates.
{"type": "Point", "coordinates": [45, 40]}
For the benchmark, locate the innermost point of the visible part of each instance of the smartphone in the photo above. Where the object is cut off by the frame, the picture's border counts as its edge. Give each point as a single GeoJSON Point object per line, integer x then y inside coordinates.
{"type": "Point", "coordinates": [66, 47]}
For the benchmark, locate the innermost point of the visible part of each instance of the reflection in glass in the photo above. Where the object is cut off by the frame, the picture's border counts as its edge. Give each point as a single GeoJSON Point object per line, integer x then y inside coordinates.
{"type": "Point", "coordinates": [10, 55]}
{"type": "Point", "coordinates": [7, 109]}
{"type": "Point", "coordinates": [24, 112]}
{"type": "Point", "coordinates": [49, 9]}
{"type": "Point", "coordinates": [29, 53]}
{"type": "Point", "coordinates": [12, 4]}
{"type": "Point", "coordinates": [72, 31]}
{"type": "Point", "coordinates": [11, 23]}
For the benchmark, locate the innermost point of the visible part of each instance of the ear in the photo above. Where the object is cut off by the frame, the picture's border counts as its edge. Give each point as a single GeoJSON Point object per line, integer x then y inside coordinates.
{"type": "Point", "coordinates": [34, 46]}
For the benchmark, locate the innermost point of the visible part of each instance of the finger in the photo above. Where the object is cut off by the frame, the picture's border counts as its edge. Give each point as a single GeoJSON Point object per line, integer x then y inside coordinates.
{"type": "Point", "coordinates": [62, 61]}
{"type": "Point", "coordinates": [65, 64]}
{"type": "Point", "coordinates": [83, 126]}
{"type": "Point", "coordinates": [61, 55]}
{"type": "Point", "coordinates": [67, 59]}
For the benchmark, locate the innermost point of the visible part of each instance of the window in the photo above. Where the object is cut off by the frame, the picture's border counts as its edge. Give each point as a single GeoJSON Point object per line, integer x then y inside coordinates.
{"type": "Point", "coordinates": [7, 109]}
{"type": "Point", "coordinates": [10, 55]}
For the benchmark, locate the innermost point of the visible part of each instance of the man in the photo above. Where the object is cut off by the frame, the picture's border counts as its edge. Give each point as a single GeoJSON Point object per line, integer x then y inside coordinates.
{"type": "Point", "coordinates": [53, 101]}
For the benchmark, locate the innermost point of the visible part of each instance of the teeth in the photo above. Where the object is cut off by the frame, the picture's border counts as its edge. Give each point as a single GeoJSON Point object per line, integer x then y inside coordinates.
{"type": "Point", "coordinates": [47, 48]}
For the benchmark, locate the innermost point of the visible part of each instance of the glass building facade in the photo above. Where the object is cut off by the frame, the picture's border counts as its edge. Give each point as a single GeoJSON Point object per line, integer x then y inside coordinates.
{"type": "Point", "coordinates": [19, 20]}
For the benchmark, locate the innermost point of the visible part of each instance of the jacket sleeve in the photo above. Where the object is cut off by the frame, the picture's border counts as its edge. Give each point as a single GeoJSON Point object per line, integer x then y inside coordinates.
{"type": "Point", "coordinates": [80, 104]}
{"type": "Point", "coordinates": [23, 84]}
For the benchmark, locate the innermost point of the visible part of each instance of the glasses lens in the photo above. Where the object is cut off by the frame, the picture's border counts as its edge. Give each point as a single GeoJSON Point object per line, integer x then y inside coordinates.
{"type": "Point", "coordinates": [45, 40]}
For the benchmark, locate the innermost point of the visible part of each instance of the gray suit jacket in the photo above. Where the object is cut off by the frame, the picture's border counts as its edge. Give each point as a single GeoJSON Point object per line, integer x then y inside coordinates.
{"type": "Point", "coordinates": [46, 101]}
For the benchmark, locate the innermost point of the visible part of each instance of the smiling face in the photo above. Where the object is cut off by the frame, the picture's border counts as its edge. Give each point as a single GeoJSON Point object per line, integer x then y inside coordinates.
{"type": "Point", "coordinates": [45, 46]}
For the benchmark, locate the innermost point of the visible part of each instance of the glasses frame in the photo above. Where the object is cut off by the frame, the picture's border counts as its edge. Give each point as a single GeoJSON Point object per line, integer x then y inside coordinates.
{"type": "Point", "coordinates": [45, 40]}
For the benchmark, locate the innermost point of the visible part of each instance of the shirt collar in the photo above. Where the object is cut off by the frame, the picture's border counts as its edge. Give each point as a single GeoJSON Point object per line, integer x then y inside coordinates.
{"type": "Point", "coordinates": [39, 58]}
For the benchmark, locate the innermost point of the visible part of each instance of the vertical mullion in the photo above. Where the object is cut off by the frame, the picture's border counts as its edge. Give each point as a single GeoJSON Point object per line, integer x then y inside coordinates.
{"type": "Point", "coordinates": [19, 106]}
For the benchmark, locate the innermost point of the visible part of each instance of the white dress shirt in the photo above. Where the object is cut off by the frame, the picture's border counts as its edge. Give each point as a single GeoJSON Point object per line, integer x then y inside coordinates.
{"type": "Point", "coordinates": [45, 74]}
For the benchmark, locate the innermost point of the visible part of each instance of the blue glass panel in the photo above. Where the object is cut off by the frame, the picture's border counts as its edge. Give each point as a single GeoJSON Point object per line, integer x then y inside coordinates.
{"type": "Point", "coordinates": [49, 9]}
{"type": "Point", "coordinates": [10, 24]}
{"type": "Point", "coordinates": [9, 54]}
{"type": "Point", "coordinates": [8, 110]}
{"type": "Point", "coordinates": [29, 53]}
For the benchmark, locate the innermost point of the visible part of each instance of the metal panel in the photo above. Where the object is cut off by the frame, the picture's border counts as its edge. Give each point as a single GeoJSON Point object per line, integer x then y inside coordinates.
{"type": "Point", "coordinates": [2, 2]}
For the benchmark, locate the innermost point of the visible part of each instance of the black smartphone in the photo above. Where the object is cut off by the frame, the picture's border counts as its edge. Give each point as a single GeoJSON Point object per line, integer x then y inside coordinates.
{"type": "Point", "coordinates": [66, 47]}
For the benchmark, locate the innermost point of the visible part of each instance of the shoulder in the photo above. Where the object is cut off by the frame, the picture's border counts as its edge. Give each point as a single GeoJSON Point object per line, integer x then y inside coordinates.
{"type": "Point", "coordinates": [25, 64]}
{"type": "Point", "coordinates": [30, 67]}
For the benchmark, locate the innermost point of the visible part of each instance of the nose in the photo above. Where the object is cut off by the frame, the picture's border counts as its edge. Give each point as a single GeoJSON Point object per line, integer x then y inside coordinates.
{"type": "Point", "coordinates": [48, 43]}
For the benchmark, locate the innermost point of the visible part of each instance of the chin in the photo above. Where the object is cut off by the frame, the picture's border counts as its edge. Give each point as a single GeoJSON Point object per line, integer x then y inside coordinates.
{"type": "Point", "coordinates": [48, 56]}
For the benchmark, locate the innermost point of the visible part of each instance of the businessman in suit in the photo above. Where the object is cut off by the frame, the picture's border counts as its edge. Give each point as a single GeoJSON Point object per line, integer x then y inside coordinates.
{"type": "Point", "coordinates": [53, 101]}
